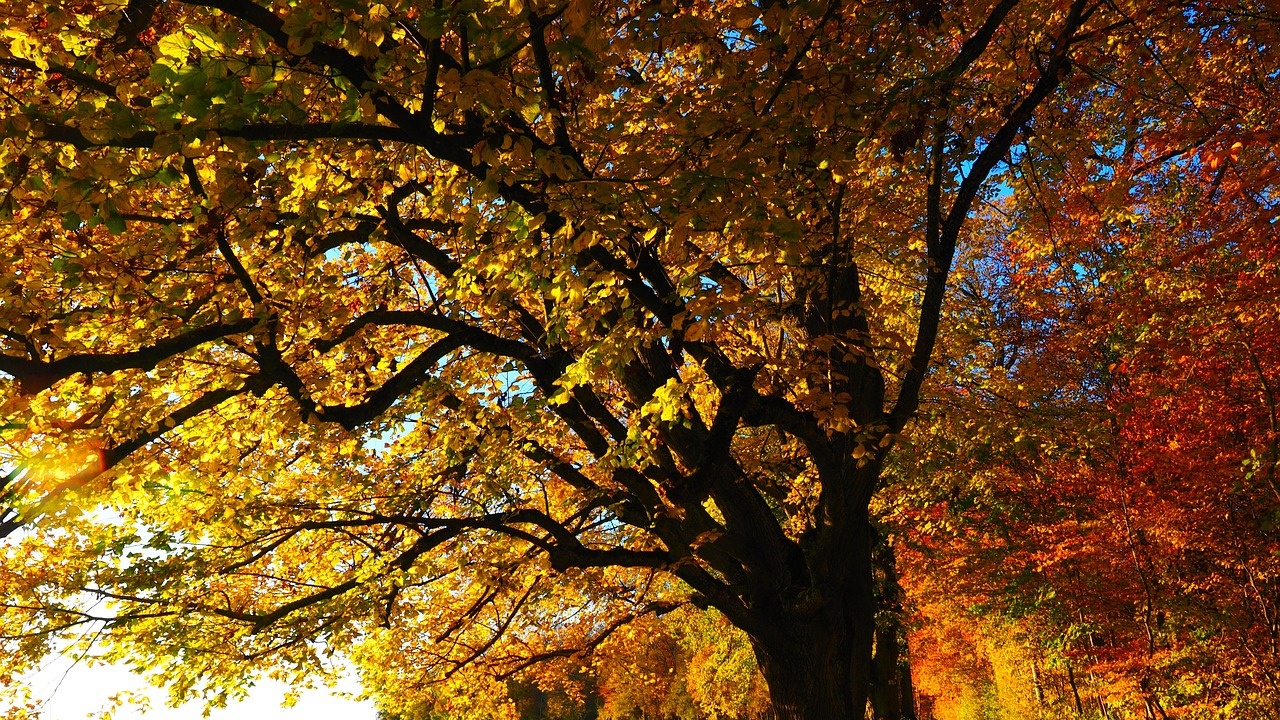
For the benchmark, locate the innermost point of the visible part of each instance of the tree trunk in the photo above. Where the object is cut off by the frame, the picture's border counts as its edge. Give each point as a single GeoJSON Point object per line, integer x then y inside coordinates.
{"type": "Point", "coordinates": [886, 695]}
{"type": "Point", "coordinates": [819, 665]}
{"type": "Point", "coordinates": [1037, 684]}
{"type": "Point", "coordinates": [821, 684]}
{"type": "Point", "coordinates": [891, 691]}
{"type": "Point", "coordinates": [1075, 691]}
{"type": "Point", "coordinates": [908, 688]}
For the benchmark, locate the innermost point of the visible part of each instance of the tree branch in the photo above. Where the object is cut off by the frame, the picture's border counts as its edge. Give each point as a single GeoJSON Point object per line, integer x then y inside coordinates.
{"type": "Point", "coordinates": [35, 376]}
{"type": "Point", "coordinates": [942, 252]}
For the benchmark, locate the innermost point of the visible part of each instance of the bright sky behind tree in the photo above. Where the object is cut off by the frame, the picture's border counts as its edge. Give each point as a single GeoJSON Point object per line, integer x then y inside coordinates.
{"type": "Point", "coordinates": [72, 692]}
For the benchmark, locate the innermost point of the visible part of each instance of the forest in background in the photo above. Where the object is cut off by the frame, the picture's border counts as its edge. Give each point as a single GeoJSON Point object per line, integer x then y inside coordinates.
{"type": "Point", "coordinates": [647, 359]}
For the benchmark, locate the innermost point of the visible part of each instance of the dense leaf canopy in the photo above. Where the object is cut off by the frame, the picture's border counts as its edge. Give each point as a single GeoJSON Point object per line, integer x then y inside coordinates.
{"type": "Point", "coordinates": [466, 338]}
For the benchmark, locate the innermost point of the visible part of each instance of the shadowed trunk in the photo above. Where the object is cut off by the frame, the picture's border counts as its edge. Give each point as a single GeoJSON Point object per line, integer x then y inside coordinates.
{"type": "Point", "coordinates": [891, 692]}
{"type": "Point", "coordinates": [822, 671]}
{"type": "Point", "coordinates": [908, 689]}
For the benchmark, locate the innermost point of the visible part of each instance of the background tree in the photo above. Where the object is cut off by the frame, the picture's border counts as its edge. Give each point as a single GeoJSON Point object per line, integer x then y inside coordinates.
{"type": "Point", "coordinates": [1094, 506]}
{"type": "Point", "coordinates": [460, 336]}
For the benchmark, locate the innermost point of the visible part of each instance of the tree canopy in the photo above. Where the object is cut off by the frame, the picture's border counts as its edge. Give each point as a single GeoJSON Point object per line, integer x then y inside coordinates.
{"type": "Point", "coordinates": [469, 340]}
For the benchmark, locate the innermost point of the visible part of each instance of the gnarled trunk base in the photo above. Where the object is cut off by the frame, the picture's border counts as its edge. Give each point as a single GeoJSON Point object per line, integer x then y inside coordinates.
{"type": "Point", "coordinates": [821, 667]}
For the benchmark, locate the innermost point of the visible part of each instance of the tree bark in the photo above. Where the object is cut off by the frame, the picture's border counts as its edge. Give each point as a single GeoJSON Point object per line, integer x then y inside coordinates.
{"type": "Point", "coordinates": [1075, 691]}
{"type": "Point", "coordinates": [819, 667]}
{"type": "Point", "coordinates": [891, 691]}
{"type": "Point", "coordinates": [886, 694]}
{"type": "Point", "coordinates": [908, 688]}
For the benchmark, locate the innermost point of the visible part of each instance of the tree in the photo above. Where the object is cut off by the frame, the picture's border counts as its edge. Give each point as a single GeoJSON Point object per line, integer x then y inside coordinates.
{"type": "Point", "coordinates": [1135, 560]}
{"type": "Point", "coordinates": [459, 336]}
{"type": "Point", "coordinates": [1100, 489]}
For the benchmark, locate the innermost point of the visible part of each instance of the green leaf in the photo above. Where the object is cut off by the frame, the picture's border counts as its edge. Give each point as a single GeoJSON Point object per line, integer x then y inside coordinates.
{"type": "Point", "coordinates": [175, 45]}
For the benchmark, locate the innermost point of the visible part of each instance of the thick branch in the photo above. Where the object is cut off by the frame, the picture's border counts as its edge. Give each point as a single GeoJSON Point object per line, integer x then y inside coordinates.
{"type": "Point", "coordinates": [260, 132]}
{"type": "Point", "coordinates": [942, 251]}
{"type": "Point", "coordinates": [35, 376]}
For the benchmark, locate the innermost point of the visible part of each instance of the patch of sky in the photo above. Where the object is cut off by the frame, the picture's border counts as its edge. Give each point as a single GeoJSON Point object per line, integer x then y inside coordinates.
{"type": "Point", "coordinates": [735, 41]}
